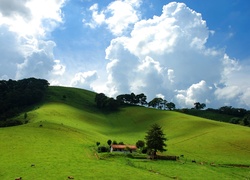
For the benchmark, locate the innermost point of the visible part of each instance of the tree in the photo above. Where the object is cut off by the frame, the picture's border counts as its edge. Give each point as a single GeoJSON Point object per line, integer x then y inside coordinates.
{"type": "Point", "coordinates": [155, 140]}
{"type": "Point", "coordinates": [140, 144]}
{"type": "Point", "coordinates": [142, 99]}
{"type": "Point", "coordinates": [156, 103]}
{"type": "Point", "coordinates": [199, 106]}
{"type": "Point", "coordinates": [109, 142]}
{"type": "Point", "coordinates": [104, 102]}
{"type": "Point", "coordinates": [246, 120]}
{"type": "Point", "coordinates": [112, 104]}
{"type": "Point", "coordinates": [170, 106]}
{"type": "Point", "coordinates": [101, 100]}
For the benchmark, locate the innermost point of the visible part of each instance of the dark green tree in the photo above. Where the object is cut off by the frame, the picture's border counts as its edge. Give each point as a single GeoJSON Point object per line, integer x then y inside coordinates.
{"type": "Point", "coordinates": [112, 104]}
{"type": "Point", "coordinates": [156, 103]}
{"type": "Point", "coordinates": [140, 144]}
{"type": "Point", "coordinates": [101, 100]}
{"type": "Point", "coordinates": [246, 120]}
{"type": "Point", "coordinates": [171, 106]}
{"type": "Point", "coordinates": [155, 140]}
{"type": "Point", "coordinates": [199, 106]}
{"type": "Point", "coordinates": [109, 142]}
{"type": "Point", "coordinates": [142, 98]}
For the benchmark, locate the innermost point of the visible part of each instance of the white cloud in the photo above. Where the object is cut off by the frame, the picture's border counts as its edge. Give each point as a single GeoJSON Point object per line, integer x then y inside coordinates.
{"type": "Point", "coordinates": [118, 16]}
{"type": "Point", "coordinates": [168, 55]}
{"type": "Point", "coordinates": [195, 93]}
{"type": "Point", "coordinates": [234, 84]}
{"type": "Point", "coordinates": [58, 68]}
{"type": "Point", "coordinates": [24, 27]}
{"type": "Point", "coordinates": [39, 63]}
{"type": "Point", "coordinates": [84, 79]}
{"type": "Point", "coordinates": [97, 18]}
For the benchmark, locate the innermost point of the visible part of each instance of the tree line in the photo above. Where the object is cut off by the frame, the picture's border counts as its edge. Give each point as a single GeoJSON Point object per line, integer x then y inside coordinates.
{"type": "Point", "coordinates": [104, 102]}
{"type": "Point", "coordinates": [16, 95]}
{"type": "Point", "coordinates": [238, 115]}
{"type": "Point", "coordinates": [225, 113]}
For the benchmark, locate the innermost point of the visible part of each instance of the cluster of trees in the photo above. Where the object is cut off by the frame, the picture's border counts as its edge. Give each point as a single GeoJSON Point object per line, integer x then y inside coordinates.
{"type": "Point", "coordinates": [104, 102]}
{"type": "Point", "coordinates": [161, 104]}
{"type": "Point", "coordinates": [240, 115]}
{"type": "Point", "coordinates": [132, 99]}
{"type": "Point", "coordinates": [232, 115]}
{"type": "Point", "coordinates": [155, 141]}
{"type": "Point", "coordinates": [16, 95]}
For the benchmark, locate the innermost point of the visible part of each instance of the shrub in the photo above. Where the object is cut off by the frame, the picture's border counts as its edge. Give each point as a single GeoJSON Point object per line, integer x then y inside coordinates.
{"type": "Point", "coordinates": [144, 150]}
{"type": "Point", "coordinates": [102, 149]}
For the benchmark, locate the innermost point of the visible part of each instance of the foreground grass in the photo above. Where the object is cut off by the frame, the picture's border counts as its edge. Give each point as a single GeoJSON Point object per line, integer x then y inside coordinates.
{"type": "Point", "coordinates": [61, 136]}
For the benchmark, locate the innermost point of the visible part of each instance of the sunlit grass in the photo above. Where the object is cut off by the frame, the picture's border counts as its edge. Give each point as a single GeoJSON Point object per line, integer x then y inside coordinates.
{"type": "Point", "coordinates": [60, 141]}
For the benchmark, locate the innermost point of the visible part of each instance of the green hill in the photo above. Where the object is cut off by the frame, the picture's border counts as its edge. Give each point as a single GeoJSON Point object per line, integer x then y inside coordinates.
{"type": "Point", "coordinates": [60, 141]}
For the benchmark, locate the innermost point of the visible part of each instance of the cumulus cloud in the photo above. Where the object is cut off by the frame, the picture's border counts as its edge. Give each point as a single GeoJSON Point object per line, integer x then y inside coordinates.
{"type": "Point", "coordinates": [196, 92]}
{"type": "Point", "coordinates": [39, 62]}
{"type": "Point", "coordinates": [15, 7]}
{"type": "Point", "coordinates": [167, 55]}
{"type": "Point", "coordinates": [58, 68]}
{"type": "Point", "coordinates": [84, 79]}
{"type": "Point", "coordinates": [118, 16]}
{"type": "Point", "coordinates": [10, 52]}
{"type": "Point", "coordinates": [23, 29]}
{"type": "Point", "coordinates": [234, 85]}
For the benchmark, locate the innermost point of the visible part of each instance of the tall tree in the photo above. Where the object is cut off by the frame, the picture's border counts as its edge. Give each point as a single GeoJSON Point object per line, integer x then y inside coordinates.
{"type": "Point", "coordinates": [101, 100]}
{"type": "Point", "coordinates": [156, 103]}
{"type": "Point", "coordinates": [199, 106]}
{"type": "Point", "coordinates": [155, 140]}
{"type": "Point", "coordinates": [170, 106]}
{"type": "Point", "coordinates": [109, 142]}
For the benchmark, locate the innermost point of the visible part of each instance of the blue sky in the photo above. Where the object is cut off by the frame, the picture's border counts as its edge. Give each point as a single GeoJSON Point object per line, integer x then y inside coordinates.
{"type": "Point", "coordinates": [185, 51]}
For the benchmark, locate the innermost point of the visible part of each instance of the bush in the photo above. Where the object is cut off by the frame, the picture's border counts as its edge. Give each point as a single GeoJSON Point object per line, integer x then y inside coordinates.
{"type": "Point", "coordinates": [144, 150]}
{"type": "Point", "coordinates": [103, 149]}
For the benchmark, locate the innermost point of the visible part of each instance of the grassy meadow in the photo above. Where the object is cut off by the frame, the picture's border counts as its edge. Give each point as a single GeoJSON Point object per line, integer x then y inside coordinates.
{"type": "Point", "coordinates": [60, 141]}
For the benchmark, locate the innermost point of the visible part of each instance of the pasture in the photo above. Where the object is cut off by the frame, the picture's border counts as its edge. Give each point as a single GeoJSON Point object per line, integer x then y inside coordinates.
{"type": "Point", "coordinates": [60, 141]}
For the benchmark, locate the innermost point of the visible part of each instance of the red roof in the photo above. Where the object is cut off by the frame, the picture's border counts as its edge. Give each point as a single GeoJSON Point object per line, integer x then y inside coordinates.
{"type": "Point", "coordinates": [118, 146]}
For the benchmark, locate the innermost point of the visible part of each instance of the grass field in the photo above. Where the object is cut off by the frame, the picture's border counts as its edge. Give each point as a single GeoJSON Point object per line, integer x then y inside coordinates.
{"type": "Point", "coordinates": [60, 141]}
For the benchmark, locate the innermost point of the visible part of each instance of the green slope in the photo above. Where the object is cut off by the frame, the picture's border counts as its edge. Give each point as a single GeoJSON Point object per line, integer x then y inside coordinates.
{"type": "Point", "coordinates": [60, 140]}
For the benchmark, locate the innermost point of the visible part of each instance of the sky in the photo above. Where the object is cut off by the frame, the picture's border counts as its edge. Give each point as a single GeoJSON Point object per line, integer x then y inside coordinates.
{"type": "Point", "coordinates": [183, 51]}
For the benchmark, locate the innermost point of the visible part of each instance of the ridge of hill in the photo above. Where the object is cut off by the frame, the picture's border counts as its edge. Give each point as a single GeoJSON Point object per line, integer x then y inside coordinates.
{"type": "Point", "coordinates": [60, 139]}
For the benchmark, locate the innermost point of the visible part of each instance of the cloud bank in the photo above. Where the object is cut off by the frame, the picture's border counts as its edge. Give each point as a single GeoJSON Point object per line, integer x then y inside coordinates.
{"type": "Point", "coordinates": [167, 55]}
{"type": "Point", "coordinates": [24, 27]}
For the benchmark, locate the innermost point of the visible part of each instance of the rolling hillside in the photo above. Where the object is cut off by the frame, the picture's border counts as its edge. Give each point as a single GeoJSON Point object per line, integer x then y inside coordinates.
{"type": "Point", "coordinates": [60, 141]}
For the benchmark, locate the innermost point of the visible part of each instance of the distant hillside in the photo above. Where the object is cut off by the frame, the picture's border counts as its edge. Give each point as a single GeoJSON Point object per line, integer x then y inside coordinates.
{"type": "Point", "coordinates": [60, 141]}
{"type": "Point", "coordinates": [218, 115]}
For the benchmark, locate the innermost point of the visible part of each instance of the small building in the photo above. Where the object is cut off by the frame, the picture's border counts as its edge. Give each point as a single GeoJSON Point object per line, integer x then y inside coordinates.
{"type": "Point", "coordinates": [123, 148]}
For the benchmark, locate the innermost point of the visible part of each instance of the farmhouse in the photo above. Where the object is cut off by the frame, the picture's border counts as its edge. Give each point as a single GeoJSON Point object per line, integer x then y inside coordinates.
{"type": "Point", "coordinates": [118, 147]}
